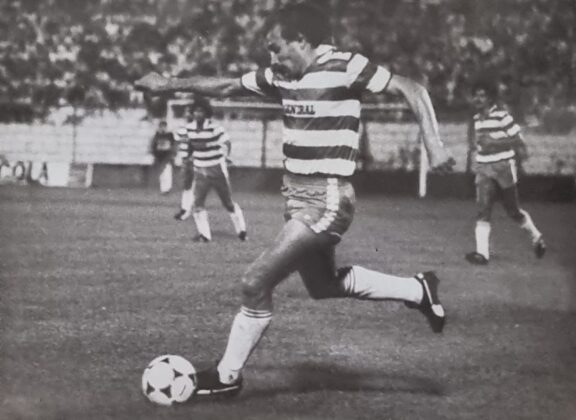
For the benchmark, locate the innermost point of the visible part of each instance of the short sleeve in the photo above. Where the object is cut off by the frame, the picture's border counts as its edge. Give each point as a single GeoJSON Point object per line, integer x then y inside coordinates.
{"type": "Point", "coordinates": [221, 134]}
{"type": "Point", "coordinates": [260, 82]}
{"type": "Point", "coordinates": [363, 75]}
{"type": "Point", "coordinates": [510, 125]}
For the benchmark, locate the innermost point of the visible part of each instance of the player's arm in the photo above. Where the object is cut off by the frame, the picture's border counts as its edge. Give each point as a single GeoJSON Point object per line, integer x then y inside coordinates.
{"type": "Point", "coordinates": [515, 143]}
{"type": "Point", "coordinates": [520, 147]}
{"type": "Point", "coordinates": [491, 145]}
{"type": "Point", "coordinates": [521, 154]}
{"type": "Point", "coordinates": [421, 105]}
{"type": "Point", "coordinates": [226, 144]}
{"type": "Point", "coordinates": [228, 147]}
{"type": "Point", "coordinates": [208, 86]}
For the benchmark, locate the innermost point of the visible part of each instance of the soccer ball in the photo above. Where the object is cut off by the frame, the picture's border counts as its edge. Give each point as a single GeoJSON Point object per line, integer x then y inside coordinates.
{"type": "Point", "coordinates": [169, 379]}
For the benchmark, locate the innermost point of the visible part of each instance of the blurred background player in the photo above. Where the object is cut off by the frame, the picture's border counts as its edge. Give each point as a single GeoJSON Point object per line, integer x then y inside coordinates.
{"type": "Point", "coordinates": [320, 88]}
{"type": "Point", "coordinates": [497, 147]}
{"type": "Point", "coordinates": [206, 147]}
{"type": "Point", "coordinates": [163, 148]}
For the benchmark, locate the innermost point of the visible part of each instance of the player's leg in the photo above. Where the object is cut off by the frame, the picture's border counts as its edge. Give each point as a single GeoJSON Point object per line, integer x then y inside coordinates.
{"type": "Point", "coordinates": [328, 209]}
{"type": "Point", "coordinates": [486, 192]}
{"type": "Point", "coordinates": [524, 220]}
{"type": "Point", "coordinates": [187, 194]}
{"type": "Point", "coordinates": [200, 189]}
{"type": "Point", "coordinates": [224, 191]}
{"type": "Point", "coordinates": [319, 273]}
{"type": "Point", "coordinates": [328, 212]}
{"type": "Point", "coordinates": [323, 281]}
{"type": "Point", "coordinates": [508, 180]}
{"type": "Point", "coordinates": [270, 268]}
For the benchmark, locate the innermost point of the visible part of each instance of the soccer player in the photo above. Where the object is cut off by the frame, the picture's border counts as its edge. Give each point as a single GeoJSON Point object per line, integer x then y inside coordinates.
{"type": "Point", "coordinates": [207, 147]}
{"type": "Point", "coordinates": [320, 88]}
{"type": "Point", "coordinates": [498, 147]}
{"type": "Point", "coordinates": [163, 147]}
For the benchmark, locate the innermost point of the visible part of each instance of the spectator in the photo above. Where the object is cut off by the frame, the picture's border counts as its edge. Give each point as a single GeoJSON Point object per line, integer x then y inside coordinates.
{"type": "Point", "coordinates": [529, 40]}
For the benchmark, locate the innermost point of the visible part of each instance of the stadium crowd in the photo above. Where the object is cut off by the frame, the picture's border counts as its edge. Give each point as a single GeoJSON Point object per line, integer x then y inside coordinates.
{"type": "Point", "coordinates": [89, 53]}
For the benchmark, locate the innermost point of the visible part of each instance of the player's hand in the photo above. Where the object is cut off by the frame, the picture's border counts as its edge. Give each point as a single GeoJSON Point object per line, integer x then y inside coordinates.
{"type": "Point", "coordinates": [152, 82]}
{"type": "Point", "coordinates": [445, 167]}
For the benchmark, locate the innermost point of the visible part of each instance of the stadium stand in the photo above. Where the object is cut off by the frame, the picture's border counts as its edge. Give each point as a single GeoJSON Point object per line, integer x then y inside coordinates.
{"type": "Point", "coordinates": [88, 53]}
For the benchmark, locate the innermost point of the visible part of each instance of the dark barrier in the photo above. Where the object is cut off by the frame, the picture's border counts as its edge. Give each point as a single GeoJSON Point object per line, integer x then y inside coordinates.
{"type": "Point", "coordinates": [456, 185]}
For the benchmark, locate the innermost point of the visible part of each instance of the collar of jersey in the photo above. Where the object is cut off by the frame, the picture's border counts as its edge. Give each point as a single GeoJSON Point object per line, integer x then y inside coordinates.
{"type": "Point", "coordinates": [320, 50]}
{"type": "Point", "coordinates": [485, 114]}
{"type": "Point", "coordinates": [194, 124]}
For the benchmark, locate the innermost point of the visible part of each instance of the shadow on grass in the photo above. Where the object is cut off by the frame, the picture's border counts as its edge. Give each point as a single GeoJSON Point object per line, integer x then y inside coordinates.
{"type": "Point", "coordinates": [313, 377]}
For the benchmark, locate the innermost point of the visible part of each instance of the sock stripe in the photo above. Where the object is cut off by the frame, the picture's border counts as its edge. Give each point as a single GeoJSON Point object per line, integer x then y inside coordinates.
{"type": "Point", "coordinates": [352, 280]}
{"type": "Point", "coordinates": [255, 313]}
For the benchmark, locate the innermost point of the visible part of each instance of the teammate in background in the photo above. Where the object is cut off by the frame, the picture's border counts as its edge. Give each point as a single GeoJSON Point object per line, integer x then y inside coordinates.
{"type": "Point", "coordinates": [497, 146]}
{"type": "Point", "coordinates": [206, 147]}
{"type": "Point", "coordinates": [163, 148]}
{"type": "Point", "coordinates": [320, 88]}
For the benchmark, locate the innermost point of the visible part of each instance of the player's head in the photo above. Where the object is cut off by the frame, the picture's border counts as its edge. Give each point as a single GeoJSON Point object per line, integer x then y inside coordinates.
{"type": "Point", "coordinates": [292, 35]}
{"type": "Point", "coordinates": [162, 126]}
{"type": "Point", "coordinates": [484, 94]}
{"type": "Point", "coordinates": [200, 109]}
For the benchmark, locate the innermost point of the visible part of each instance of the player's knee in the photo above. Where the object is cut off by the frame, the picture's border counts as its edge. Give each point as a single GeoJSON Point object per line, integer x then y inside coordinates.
{"type": "Point", "coordinates": [254, 290]}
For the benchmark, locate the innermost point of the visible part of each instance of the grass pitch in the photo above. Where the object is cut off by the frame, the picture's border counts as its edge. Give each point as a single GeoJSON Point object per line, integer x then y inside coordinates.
{"type": "Point", "coordinates": [96, 283]}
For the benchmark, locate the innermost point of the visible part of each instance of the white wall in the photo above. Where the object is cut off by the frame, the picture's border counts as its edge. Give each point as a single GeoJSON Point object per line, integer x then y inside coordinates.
{"type": "Point", "coordinates": [122, 138]}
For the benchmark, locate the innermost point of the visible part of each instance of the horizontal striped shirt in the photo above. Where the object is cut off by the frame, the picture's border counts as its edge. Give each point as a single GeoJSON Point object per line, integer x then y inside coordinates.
{"type": "Point", "coordinates": [322, 109]}
{"type": "Point", "coordinates": [205, 144]}
{"type": "Point", "coordinates": [497, 124]}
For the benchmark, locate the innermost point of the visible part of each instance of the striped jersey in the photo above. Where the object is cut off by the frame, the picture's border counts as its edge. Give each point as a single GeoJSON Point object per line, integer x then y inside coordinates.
{"type": "Point", "coordinates": [204, 144]}
{"type": "Point", "coordinates": [496, 124]}
{"type": "Point", "coordinates": [321, 111]}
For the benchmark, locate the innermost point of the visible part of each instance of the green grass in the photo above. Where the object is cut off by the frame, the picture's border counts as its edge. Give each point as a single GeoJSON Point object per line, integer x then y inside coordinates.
{"type": "Point", "coordinates": [96, 283]}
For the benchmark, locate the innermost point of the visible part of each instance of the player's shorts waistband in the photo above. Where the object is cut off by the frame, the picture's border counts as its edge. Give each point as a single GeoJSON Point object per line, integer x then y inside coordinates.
{"type": "Point", "coordinates": [495, 157]}
{"type": "Point", "coordinates": [314, 179]}
{"type": "Point", "coordinates": [208, 163]}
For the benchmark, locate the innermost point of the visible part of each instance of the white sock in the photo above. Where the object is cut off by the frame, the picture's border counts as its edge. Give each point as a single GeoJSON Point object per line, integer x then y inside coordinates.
{"type": "Point", "coordinates": [362, 283]}
{"type": "Point", "coordinates": [202, 224]}
{"type": "Point", "coordinates": [482, 233]}
{"type": "Point", "coordinates": [238, 219]}
{"type": "Point", "coordinates": [187, 199]}
{"type": "Point", "coordinates": [247, 329]}
{"type": "Point", "coordinates": [529, 226]}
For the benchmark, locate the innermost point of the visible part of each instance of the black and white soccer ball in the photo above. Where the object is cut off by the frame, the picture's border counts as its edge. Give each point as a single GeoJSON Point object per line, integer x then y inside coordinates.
{"type": "Point", "coordinates": [169, 379]}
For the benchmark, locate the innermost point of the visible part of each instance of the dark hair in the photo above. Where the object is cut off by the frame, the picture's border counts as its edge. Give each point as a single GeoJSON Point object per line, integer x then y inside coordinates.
{"type": "Point", "coordinates": [488, 86]}
{"type": "Point", "coordinates": [202, 103]}
{"type": "Point", "coordinates": [302, 19]}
